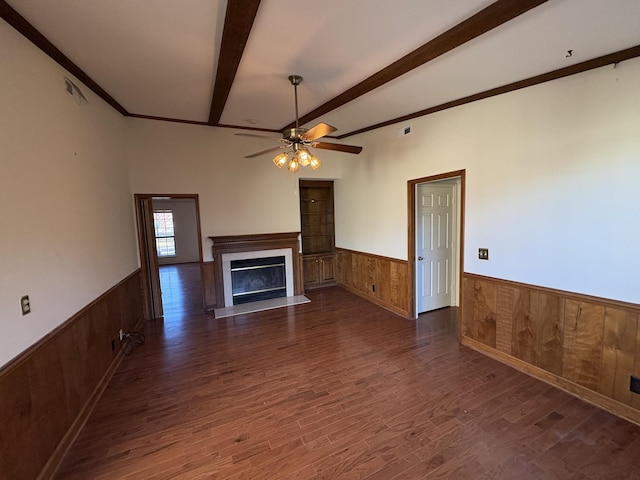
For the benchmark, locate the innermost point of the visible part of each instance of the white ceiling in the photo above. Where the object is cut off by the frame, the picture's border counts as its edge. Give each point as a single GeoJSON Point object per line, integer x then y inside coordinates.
{"type": "Point", "coordinates": [159, 57]}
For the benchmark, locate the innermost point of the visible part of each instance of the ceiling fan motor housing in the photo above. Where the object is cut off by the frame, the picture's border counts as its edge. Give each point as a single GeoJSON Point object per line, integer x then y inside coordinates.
{"type": "Point", "coordinates": [295, 79]}
{"type": "Point", "coordinates": [294, 135]}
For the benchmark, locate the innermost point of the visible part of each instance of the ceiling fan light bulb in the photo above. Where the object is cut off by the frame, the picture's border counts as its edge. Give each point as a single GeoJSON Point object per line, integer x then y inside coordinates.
{"type": "Point", "coordinates": [315, 163]}
{"type": "Point", "coordinates": [293, 165]}
{"type": "Point", "coordinates": [280, 160]}
{"type": "Point", "coordinates": [305, 156]}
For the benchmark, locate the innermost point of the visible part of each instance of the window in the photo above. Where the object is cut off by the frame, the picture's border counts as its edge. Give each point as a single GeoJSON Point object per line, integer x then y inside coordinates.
{"type": "Point", "coordinates": [165, 235]}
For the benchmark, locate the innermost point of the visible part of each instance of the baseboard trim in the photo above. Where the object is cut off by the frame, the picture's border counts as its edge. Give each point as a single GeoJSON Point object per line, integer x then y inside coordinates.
{"type": "Point", "coordinates": [583, 393]}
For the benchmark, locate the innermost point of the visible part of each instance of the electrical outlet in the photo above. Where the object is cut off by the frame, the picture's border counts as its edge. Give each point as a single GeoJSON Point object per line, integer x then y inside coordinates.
{"type": "Point", "coordinates": [635, 384]}
{"type": "Point", "coordinates": [121, 333]}
{"type": "Point", "coordinates": [25, 304]}
{"type": "Point", "coordinates": [483, 253]}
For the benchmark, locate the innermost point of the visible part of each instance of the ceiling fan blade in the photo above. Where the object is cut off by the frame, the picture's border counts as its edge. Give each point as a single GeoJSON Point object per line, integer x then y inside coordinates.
{"type": "Point", "coordinates": [320, 130]}
{"type": "Point", "coordinates": [262, 152]}
{"type": "Point", "coordinates": [337, 147]}
{"type": "Point", "coordinates": [268, 137]}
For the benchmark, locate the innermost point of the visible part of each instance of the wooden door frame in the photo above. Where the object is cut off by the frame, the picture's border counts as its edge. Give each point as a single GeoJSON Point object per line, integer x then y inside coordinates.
{"type": "Point", "coordinates": [144, 253]}
{"type": "Point", "coordinates": [411, 228]}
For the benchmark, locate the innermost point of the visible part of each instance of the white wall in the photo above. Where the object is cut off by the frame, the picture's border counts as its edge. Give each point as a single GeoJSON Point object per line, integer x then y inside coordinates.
{"type": "Point", "coordinates": [553, 179]}
{"type": "Point", "coordinates": [236, 195]}
{"type": "Point", "coordinates": [66, 213]}
{"type": "Point", "coordinates": [185, 226]}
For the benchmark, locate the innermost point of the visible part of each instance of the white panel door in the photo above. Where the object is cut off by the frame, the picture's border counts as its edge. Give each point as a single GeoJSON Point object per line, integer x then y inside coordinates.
{"type": "Point", "coordinates": [434, 245]}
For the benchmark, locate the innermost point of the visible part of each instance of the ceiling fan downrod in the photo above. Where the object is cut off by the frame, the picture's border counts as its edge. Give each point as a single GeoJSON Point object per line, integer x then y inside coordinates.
{"type": "Point", "coordinates": [295, 81]}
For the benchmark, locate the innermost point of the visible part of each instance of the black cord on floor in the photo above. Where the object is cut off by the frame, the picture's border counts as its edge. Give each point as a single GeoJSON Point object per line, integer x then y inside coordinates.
{"type": "Point", "coordinates": [131, 340]}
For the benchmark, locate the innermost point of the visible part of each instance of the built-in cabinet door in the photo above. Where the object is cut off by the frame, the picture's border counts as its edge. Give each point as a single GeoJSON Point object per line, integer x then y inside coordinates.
{"type": "Point", "coordinates": [327, 268]}
{"type": "Point", "coordinates": [319, 270]}
{"type": "Point", "coordinates": [311, 267]}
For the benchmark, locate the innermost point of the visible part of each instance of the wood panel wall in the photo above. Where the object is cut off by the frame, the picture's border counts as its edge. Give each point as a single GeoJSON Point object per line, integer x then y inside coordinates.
{"type": "Point", "coordinates": [208, 286]}
{"type": "Point", "coordinates": [586, 345]}
{"type": "Point", "coordinates": [360, 272]}
{"type": "Point", "coordinates": [47, 392]}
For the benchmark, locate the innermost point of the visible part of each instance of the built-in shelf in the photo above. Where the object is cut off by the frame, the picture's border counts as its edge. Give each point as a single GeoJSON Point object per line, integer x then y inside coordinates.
{"type": "Point", "coordinates": [317, 232]}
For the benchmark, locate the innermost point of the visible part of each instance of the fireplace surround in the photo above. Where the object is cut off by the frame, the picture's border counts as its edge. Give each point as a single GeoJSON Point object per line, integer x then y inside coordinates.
{"type": "Point", "coordinates": [234, 247]}
{"type": "Point", "coordinates": [233, 292]}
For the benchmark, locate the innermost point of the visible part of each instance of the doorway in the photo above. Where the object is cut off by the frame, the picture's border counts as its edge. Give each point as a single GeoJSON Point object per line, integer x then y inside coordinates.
{"type": "Point", "coordinates": [436, 231]}
{"type": "Point", "coordinates": [170, 245]}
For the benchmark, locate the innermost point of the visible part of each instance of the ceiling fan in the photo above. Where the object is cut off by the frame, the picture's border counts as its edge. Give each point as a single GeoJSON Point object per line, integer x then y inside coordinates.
{"type": "Point", "coordinates": [300, 139]}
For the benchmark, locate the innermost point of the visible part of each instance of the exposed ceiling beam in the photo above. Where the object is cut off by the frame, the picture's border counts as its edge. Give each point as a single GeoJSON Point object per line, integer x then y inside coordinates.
{"type": "Point", "coordinates": [18, 22]}
{"type": "Point", "coordinates": [167, 119]}
{"type": "Point", "coordinates": [598, 62]}
{"type": "Point", "coordinates": [487, 19]}
{"type": "Point", "coordinates": [238, 21]}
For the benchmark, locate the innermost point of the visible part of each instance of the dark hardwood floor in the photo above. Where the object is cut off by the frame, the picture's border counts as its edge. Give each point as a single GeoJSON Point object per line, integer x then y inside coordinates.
{"type": "Point", "coordinates": [181, 289]}
{"type": "Point", "coordinates": [337, 388]}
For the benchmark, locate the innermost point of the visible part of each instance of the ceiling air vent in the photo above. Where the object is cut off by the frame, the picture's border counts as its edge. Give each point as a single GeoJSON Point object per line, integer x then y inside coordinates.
{"type": "Point", "coordinates": [404, 131]}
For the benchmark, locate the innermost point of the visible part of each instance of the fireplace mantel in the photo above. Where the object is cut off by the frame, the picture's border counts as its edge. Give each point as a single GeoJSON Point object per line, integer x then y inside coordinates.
{"type": "Point", "coordinates": [249, 243]}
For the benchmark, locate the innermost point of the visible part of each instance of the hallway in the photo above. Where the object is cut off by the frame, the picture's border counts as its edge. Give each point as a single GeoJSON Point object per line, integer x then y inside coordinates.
{"type": "Point", "coordinates": [181, 289]}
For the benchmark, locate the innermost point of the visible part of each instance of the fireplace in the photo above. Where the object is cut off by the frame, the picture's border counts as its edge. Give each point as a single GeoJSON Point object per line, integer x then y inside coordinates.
{"type": "Point", "coordinates": [252, 282]}
{"type": "Point", "coordinates": [256, 279]}
{"type": "Point", "coordinates": [249, 268]}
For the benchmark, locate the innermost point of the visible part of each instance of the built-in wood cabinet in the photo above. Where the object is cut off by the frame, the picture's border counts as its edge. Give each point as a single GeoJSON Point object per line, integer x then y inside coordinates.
{"type": "Point", "coordinates": [319, 270]}
{"type": "Point", "coordinates": [317, 232]}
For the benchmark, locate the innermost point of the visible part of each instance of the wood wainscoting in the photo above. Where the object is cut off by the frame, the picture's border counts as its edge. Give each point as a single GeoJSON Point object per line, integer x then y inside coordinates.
{"type": "Point", "coordinates": [382, 280]}
{"type": "Point", "coordinates": [48, 391]}
{"type": "Point", "coordinates": [585, 345]}
{"type": "Point", "coordinates": [208, 286]}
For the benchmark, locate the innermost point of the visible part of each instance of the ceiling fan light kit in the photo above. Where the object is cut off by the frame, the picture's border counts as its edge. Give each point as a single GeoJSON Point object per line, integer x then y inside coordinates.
{"type": "Point", "coordinates": [299, 140]}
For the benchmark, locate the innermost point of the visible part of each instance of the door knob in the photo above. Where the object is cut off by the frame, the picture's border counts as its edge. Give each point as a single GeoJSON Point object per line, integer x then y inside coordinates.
{"type": "Point", "coordinates": [420, 258]}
